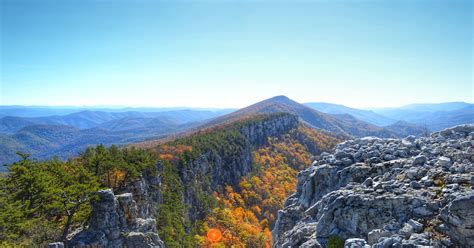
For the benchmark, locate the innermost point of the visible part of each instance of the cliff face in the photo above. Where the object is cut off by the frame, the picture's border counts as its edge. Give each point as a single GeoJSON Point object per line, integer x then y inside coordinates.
{"type": "Point", "coordinates": [214, 169]}
{"type": "Point", "coordinates": [129, 217]}
{"type": "Point", "coordinates": [384, 193]}
{"type": "Point", "coordinates": [123, 220]}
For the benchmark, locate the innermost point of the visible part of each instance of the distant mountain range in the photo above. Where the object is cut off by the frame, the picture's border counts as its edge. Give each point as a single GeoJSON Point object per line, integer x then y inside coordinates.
{"type": "Point", "coordinates": [434, 117]}
{"type": "Point", "coordinates": [365, 115]}
{"type": "Point", "coordinates": [107, 120]}
{"type": "Point", "coordinates": [41, 111]}
{"type": "Point", "coordinates": [67, 135]}
{"type": "Point", "coordinates": [69, 130]}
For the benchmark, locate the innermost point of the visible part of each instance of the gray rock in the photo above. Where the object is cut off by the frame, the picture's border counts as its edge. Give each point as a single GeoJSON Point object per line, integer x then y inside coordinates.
{"type": "Point", "coordinates": [417, 226]}
{"type": "Point", "coordinates": [428, 182]}
{"type": "Point", "coordinates": [410, 227]}
{"type": "Point", "coordinates": [56, 245]}
{"type": "Point", "coordinates": [406, 230]}
{"type": "Point", "coordinates": [459, 219]}
{"type": "Point", "coordinates": [388, 242]}
{"type": "Point", "coordinates": [368, 182]}
{"type": "Point", "coordinates": [341, 155]}
{"type": "Point", "coordinates": [419, 160]}
{"type": "Point", "coordinates": [346, 161]}
{"type": "Point", "coordinates": [415, 185]}
{"type": "Point", "coordinates": [414, 173]}
{"type": "Point", "coordinates": [355, 243]}
{"type": "Point", "coordinates": [386, 200]}
{"type": "Point", "coordinates": [374, 235]}
{"type": "Point", "coordinates": [407, 143]}
{"type": "Point", "coordinates": [444, 161]}
{"type": "Point", "coordinates": [114, 222]}
{"type": "Point", "coordinates": [145, 240]}
{"type": "Point", "coordinates": [389, 157]}
{"type": "Point", "coordinates": [420, 239]}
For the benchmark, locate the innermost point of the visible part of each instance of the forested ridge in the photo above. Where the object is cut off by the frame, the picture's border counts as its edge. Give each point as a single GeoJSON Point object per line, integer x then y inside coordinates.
{"type": "Point", "coordinates": [55, 194]}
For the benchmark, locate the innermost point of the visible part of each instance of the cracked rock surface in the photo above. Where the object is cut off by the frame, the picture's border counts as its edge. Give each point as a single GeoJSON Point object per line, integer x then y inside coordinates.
{"type": "Point", "coordinates": [120, 220]}
{"type": "Point", "coordinates": [375, 192]}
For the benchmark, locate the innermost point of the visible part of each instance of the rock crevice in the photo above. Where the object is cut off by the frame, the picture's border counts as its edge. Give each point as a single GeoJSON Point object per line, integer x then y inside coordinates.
{"type": "Point", "coordinates": [123, 220]}
{"type": "Point", "coordinates": [375, 192]}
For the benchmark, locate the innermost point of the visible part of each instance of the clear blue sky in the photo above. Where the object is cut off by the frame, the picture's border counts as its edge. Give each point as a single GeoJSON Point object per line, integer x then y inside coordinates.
{"type": "Point", "coordinates": [231, 54]}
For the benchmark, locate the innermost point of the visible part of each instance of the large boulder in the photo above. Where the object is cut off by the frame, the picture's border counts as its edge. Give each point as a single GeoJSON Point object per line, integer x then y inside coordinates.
{"type": "Point", "coordinates": [458, 217]}
{"type": "Point", "coordinates": [114, 222]}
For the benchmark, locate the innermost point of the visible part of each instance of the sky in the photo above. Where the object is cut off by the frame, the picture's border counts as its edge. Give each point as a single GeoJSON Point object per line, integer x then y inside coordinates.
{"type": "Point", "coordinates": [235, 53]}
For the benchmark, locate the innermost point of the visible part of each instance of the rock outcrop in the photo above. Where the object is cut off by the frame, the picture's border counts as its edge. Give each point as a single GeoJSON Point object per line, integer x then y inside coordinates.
{"type": "Point", "coordinates": [115, 222]}
{"type": "Point", "coordinates": [123, 220]}
{"type": "Point", "coordinates": [216, 168]}
{"type": "Point", "coordinates": [375, 192]}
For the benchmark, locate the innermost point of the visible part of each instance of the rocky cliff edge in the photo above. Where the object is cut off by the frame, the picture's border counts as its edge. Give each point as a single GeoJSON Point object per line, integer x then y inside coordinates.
{"type": "Point", "coordinates": [385, 193]}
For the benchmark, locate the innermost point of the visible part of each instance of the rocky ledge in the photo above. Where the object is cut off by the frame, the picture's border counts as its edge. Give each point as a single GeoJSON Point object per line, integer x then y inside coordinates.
{"type": "Point", "coordinates": [375, 192]}
{"type": "Point", "coordinates": [115, 222]}
{"type": "Point", "coordinates": [123, 220]}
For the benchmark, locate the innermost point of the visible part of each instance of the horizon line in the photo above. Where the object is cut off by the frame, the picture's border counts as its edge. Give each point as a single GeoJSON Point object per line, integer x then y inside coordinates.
{"type": "Point", "coordinates": [111, 106]}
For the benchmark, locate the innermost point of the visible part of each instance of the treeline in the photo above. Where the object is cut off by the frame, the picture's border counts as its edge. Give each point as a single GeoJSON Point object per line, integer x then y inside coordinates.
{"type": "Point", "coordinates": [42, 201]}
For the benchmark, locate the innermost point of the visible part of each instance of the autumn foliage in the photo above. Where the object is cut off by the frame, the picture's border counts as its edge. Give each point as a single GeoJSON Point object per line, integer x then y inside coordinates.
{"type": "Point", "coordinates": [171, 153]}
{"type": "Point", "coordinates": [247, 213]}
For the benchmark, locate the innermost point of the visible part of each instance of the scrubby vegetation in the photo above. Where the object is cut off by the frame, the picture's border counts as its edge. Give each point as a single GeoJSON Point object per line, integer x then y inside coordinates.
{"type": "Point", "coordinates": [335, 242]}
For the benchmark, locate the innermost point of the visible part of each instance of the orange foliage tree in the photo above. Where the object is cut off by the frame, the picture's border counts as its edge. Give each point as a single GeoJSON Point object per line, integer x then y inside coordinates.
{"type": "Point", "coordinates": [246, 215]}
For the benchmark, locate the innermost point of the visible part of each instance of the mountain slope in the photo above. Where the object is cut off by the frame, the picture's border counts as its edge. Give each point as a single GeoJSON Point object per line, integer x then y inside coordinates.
{"type": "Point", "coordinates": [403, 129]}
{"type": "Point", "coordinates": [12, 124]}
{"type": "Point", "coordinates": [365, 115]}
{"type": "Point", "coordinates": [136, 123]}
{"type": "Point", "coordinates": [45, 141]}
{"type": "Point", "coordinates": [340, 124]}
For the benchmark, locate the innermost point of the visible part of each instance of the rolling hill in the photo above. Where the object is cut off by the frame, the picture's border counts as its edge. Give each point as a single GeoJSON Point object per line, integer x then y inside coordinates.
{"type": "Point", "coordinates": [403, 129]}
{"type": "Point", "coordinates": [45, 141]}
{"type": "Point", "coordinates": [66, 136]}
{"type": "Point", "coordinates": [90, 119]}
